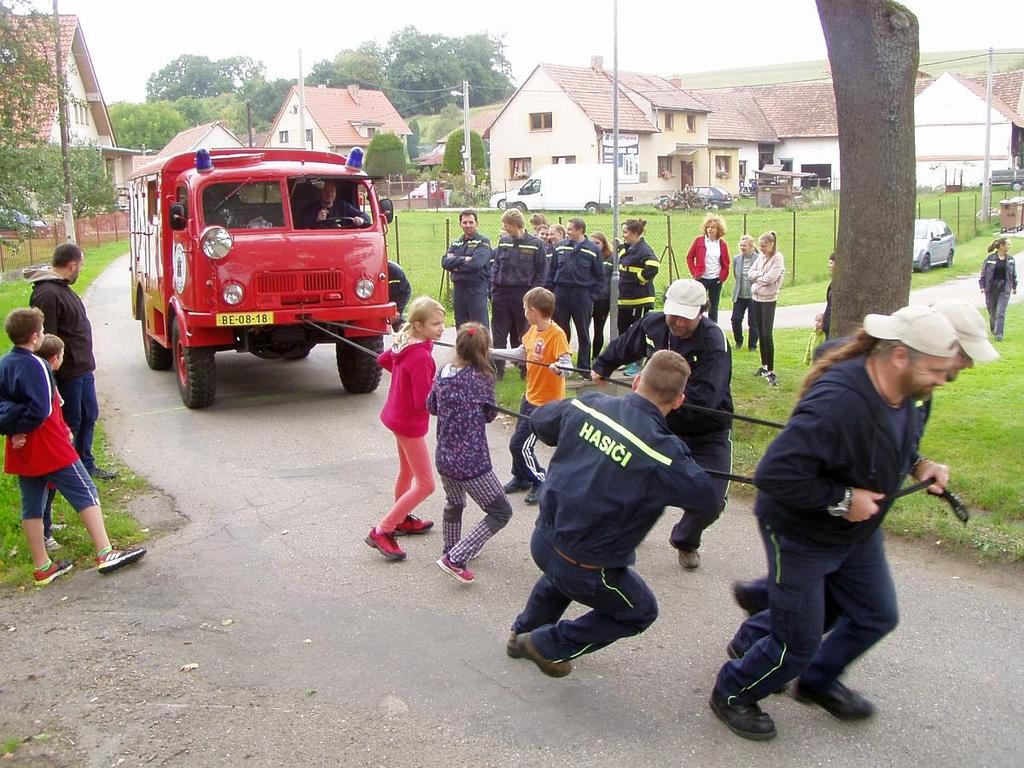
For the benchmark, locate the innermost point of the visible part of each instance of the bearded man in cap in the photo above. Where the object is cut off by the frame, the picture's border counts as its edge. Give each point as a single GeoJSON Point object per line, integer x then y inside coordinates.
{"type": "Point", "coordinates": [683, 328]}
{"type": "Point", "coordinates": [852, 440]}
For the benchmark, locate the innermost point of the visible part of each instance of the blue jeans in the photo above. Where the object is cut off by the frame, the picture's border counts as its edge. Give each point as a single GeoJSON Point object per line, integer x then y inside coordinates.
{"type": "Point", "coordinates": [81, 410]}
{"type": "Point", "coordinates": [621, 605]}
{"type": "Point", "coordinates": [786, 640]}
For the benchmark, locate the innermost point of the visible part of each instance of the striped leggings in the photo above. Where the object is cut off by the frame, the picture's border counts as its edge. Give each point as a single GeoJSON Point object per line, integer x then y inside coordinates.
{"type": "Point", "coordinates": [486, 491]}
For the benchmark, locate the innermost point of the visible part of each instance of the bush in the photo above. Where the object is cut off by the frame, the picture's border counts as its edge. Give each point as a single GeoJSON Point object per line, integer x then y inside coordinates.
{"type": "Point", "coordinates": [452, 162]}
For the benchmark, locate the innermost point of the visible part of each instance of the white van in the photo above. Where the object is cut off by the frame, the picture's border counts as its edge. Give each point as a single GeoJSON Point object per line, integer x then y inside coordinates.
{"type": "Point", "coordinates": [576, 187]}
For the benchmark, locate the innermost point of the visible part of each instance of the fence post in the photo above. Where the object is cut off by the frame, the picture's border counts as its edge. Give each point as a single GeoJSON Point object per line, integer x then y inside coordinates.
{"type": "Point", "coordinates": [398, 250]}
{"type": "Point", "coordinates": [975, 214]}
{"type": "Point", "coordinates": [940, 207]}
{"type": "Point", "coordinates": [958, 217]}
{"type": "Point", "coordinates": [793, 281]}
{"type": "Point", "coordinates": [745, 223]}
{"type": "Point", "coordinates": [919, 209]}
{"type": "Point", "coordinates": [835, 229]}
{"type": "Point", "coordinates": [96, 229]}
{"type": "Point", "coordinates": [117, 236]}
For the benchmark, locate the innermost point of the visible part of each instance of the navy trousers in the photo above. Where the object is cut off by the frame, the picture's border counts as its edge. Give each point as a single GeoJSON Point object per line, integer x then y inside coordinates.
{"type": "Point", "coordinates": [525, 464]}
{"type": "Point", "coordinates": [470, 304]}
{"type": "Point", "coordinates": [508, 322]}
{"type": "Point", "coordinates": [710, 451]}
{"type": "Point", "coordinates": [574, 303]}
{"type": "Point", "coordinates": [742, 307]}
{"type": "Point", "coordinates": [81, 410]}
{"type": "Point", "coordinates": [786, 640]}
{"type": "Point", "coordinates": [621, 605]}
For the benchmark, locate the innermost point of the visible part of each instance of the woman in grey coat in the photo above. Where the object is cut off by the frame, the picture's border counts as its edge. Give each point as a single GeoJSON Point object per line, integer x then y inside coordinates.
{"type": "Point", "coordinates": [998, 280]}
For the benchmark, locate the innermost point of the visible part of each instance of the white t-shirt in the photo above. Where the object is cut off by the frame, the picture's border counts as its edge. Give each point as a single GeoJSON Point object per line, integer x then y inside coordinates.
{"type": "Point", "coordinates": [712, 257]}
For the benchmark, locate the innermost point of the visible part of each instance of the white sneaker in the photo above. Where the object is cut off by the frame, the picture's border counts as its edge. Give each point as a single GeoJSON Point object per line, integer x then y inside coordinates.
{"type": "Point", "coordinates": [58, 526]}
{"type": "Point", "coordinates": [52, 545]}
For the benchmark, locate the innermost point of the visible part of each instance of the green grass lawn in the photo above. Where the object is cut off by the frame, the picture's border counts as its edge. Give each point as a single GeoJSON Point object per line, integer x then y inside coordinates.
{"type": "Point", "coordinates": [15, 563]}
{"type": "Point", "coordinates": [974, 427]}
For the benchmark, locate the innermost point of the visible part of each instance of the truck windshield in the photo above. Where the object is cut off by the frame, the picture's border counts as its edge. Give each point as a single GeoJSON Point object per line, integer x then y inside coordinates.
{"type": "Point", "coordinates": [324, 202]}
{"type": "Point", "coordinates": [245, 205]}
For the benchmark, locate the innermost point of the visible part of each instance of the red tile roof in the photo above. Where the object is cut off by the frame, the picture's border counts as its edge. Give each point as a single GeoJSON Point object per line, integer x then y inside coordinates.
{"type": "Point", "coordinates": [592, 91]}
{"type": "Point", "coordinates": [336, 110]}
{"type": "Point", "coordinates": [797, 110]}
{"type": "Point", "coordinates": [1006, 92]}
{"type": "Point", "coordinates": [481, 123]}
{"type": "Point", "coordinates": [735, 115]}
{"type": "Point", "coordinates": [192, 138]}
{"type": "Point", "coordinates": [660, 92]}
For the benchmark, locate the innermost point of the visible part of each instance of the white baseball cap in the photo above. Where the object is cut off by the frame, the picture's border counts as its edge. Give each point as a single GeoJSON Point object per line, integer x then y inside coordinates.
{"type": "Point", "coordinates": [684, 298]}
{"type": "Point", "coordinates": [971, 329]}
{"type": "Point", "coordinates": [918, 327]}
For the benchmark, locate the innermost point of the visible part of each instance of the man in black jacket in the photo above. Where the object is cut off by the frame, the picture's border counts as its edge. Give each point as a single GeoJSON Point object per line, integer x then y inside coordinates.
{"type": "Point", "coordinates": [65, 316]}
{"type": "Point", "coordinates": [519, 265]}
{"type": "Point", "coordinates": [683, 328]}
{"type": "Point", "coordinates": [616, 467]}
{"type": "Point", "coordinates": [574, 275]}
{"type": "Point", "coordinates": [468, 259]}
{"type": "Point", "coordinates": [852, 439]}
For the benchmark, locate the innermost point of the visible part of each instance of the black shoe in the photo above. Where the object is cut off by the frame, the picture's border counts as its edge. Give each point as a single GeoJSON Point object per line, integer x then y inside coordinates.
{"type": "Point", "coordinates": [749, 596]}
{"type": "Point", "coordinates": [512, 647]}
{"type": "Point", "coordinates": [526, 650]}
{"type": "Point", "coordinates": [838, 701]}
{"type": "Point", "coordinates": [746, 720]}
{"type": "Point", "coordinates": [533, 497]}
{"type": "Point", "coordinates": [102, 474]}
{"type": "Point", "coordinates": [515, 484]}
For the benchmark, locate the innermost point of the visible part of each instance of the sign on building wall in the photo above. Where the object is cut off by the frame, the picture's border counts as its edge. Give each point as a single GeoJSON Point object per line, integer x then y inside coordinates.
{"type": "Point", "coordinates": [629, 155]}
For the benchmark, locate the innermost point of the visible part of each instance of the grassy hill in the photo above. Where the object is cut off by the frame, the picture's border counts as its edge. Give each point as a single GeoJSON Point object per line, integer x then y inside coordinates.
{"type": "Point", "coordinates": [963, 62]}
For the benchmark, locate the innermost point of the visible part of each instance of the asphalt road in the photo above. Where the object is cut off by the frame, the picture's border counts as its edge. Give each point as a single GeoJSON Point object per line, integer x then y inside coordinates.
{"type": "Point", "coordinates": [311, 649]}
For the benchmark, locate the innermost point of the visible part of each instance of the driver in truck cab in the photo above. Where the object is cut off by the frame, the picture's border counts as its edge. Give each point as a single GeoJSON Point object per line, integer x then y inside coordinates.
{"type": "Point", "coordinates": [330, 206]}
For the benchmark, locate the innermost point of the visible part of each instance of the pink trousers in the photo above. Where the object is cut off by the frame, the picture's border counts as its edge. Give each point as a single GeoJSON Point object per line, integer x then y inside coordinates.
{"type": "Point", "coordinates": [415, 481]}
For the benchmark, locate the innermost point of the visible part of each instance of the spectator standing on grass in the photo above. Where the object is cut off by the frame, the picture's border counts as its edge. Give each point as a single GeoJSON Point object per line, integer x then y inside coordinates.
{"type": "Point", "coordinates": [65, 316]}
{"type": "Point", "coordinates": [998, 280]}
{"type": "Point", "coordinates": [638, 266]}
{"type": "Point", "coordinates": [574, 276]}
{"type": "Point", "coordinates": [468, 260]}
{"type": "Point", "coordinates": [602, 296]}
{"type": "Point", "coordinates": [708, 260]}
{"type": "Point", "coordinates": [519, 265]}
{"type": "Point", "coordinates": [766, 275]}
{"type": "Point", "coordinates": [742, 301]}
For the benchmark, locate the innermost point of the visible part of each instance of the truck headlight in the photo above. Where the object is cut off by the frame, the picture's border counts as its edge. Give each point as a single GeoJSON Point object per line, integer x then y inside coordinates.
{"type": "Point", "coordinates": [216, 242]}
{"type": "Point", "coordinates": [233, 293]}
{"type": "Point", "coordinates": [364, 288]}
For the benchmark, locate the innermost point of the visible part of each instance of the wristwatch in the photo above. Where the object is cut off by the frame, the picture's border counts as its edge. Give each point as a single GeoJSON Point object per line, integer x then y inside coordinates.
{"type": "Point", "coordinates": [840, 509]}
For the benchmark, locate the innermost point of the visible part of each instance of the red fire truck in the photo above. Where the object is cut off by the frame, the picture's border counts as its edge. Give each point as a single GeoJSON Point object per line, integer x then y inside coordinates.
{"type": "Point", "coordinates": [258, 250]}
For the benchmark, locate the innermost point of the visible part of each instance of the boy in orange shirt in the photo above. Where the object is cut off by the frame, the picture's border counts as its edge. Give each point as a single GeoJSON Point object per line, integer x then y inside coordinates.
{"type": "Point", "coordinates": [546, 352]}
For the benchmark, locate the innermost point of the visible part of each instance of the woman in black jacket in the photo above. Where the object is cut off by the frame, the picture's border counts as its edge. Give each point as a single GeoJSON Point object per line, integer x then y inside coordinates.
{"type": "Point", "coordinates": [998, 280]}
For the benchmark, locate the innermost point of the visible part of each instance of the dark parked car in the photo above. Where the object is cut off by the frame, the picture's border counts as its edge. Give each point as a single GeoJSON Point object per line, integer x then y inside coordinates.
{"type": "Point", "coordinates": [16, 222]}
{"type": "Point", "coordinates": [714, 197]}
{"type": "Point", "coordinates": [934, 244]}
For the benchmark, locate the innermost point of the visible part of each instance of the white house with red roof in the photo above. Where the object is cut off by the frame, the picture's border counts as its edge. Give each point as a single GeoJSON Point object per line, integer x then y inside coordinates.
{"type": "Point", "coordinates": [336, 119]}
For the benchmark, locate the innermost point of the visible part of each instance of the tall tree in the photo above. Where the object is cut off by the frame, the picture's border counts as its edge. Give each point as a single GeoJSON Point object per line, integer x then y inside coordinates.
{"type": "Point", "coordinates": [265, 98]}
{"type": "Point", "coordinates": [94, 188]}
{"type": "Point", "coordinates": [362, 66]}
{"type": "Point", "coordinates": [873, 52]}
{"type": "Point", "coordinates": [146, 125]}
{"type": "Point", "coordinates": [199, 77]}
{"type": "Point", "coordinates": [452, 161]}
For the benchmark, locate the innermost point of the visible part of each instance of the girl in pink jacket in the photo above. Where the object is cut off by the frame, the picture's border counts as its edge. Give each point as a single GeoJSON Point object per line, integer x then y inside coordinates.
{"type": "Point", "coordinates": [766, 275]}
{"type": "Point", "coordinates": [411, 363]}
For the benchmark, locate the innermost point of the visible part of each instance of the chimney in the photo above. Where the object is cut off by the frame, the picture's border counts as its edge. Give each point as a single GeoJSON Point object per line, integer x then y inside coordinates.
{"type": "Point", "coordinates": [597, 63]}
{"type": "Point", "coordinates": [676, 82]}
{"type": "Point", "coordinates": [353, 91]}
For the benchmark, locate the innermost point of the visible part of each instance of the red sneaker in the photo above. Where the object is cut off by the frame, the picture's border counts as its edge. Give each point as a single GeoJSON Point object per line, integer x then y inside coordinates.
{"type": "Point", "coordinates": [118, 558]}
{"type": "Point", "coordinates": [57, 568]}
{"type": "Point", "coordinates": [385, 544]}
{"type": "Point", "coordinates": [460, 572]}
{"type": "Point", "coordinates": [412, 525]}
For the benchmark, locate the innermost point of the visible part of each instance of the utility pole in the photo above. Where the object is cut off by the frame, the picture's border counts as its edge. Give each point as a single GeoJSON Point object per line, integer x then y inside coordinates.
{"type": "Point", "coordinates": [65, 136]}
{"type": "Point", "coordinates": [302, 105]}
{"type": "Point", "coordinates": [613, 295]}
{"type": "Point", "coordinates": [467, 145]}
{"type": "Point", "coordinates": [986, 181]}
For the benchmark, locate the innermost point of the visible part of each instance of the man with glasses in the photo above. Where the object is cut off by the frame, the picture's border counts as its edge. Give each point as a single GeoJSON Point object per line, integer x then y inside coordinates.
{"type": "Point", "coordinates": [852, 439]}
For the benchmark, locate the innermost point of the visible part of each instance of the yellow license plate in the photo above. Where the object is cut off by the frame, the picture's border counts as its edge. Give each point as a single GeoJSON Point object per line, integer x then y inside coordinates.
{"type": "Point", "coordinates": [245, 318]}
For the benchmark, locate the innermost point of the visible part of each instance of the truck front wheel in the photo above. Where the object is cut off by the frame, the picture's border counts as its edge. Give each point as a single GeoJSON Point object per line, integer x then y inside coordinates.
{"type": "Point", "coordinates": [194, 366]}
{"type": "Point", "coordinates": [358, 370]}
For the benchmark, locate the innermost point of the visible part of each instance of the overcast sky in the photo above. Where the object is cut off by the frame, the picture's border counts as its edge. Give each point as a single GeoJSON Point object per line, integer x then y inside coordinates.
{"type": "Point", "coordinates": [128, 41]}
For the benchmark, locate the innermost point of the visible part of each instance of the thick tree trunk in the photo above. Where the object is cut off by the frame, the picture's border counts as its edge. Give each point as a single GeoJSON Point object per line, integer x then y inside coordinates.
{"type": "Point", "coordinates": [873, 52]}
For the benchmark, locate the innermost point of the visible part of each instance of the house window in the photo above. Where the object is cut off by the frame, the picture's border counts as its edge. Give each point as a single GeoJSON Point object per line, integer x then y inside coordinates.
{"type": "Point", "coordinates": [282, 136]}
{"type": "Point", "coordinates": [691, 123]}
{"type": "Point", "coordinates": [520, 167]}
{"type": "Point", "coordinates": [309, 136]}
{"type": "Point", "coordinates": [665, 166]}
{"type": "Point", "coordinates": [723, 166]}
{"type": "Point", "coordinates": [371, 132]}
{"type": "Point", "coordinates": [669, 121]}
{"type": "Point", "coordinates": [765, 155]}
{"type": "Point", "coordinates": [563, 159]}
{"type": "Point", "coordinates": [540, 121]}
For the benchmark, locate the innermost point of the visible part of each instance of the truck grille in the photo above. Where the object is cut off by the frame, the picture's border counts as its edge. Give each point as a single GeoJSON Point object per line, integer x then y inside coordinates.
{"type": "Point", "coordinates": [314, 281]}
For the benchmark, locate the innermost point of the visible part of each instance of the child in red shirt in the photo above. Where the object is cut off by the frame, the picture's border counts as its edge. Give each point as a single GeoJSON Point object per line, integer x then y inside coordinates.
{"type": "Point", "coordinates": [412, 368]}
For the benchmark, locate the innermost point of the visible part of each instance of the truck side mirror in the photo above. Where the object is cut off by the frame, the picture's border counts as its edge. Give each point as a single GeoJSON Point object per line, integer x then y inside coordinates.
{"type": "Point", "coordinates": [178, 217]}
{"type": "Point", "coordinates": [387, 207]}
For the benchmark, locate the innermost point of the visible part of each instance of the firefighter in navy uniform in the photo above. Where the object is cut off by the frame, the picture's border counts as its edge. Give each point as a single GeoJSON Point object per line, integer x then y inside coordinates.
{"type": "Point", "coordinates": [683, 328]}
{"type": "Point", "coordinates": [574, 276]}
{"type": "Point", "coordinates": [399, 291]}
{"type": "Point", "coordinates": [638, 267]}
{"type": "Point", "coordinates": [617, 465]}
{"type": "Point", "coordinates": [519, 265]}
{"type": "Point", "coordinates": [469, 261]}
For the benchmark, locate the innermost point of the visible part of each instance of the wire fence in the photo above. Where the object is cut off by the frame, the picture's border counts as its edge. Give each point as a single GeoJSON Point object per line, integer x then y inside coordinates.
{"type": "Point", "coordinates": [37, 247]}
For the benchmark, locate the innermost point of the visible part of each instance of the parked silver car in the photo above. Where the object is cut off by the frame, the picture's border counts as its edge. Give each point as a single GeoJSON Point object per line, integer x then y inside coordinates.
{"type": "Point", "coordinates": [934, 244]}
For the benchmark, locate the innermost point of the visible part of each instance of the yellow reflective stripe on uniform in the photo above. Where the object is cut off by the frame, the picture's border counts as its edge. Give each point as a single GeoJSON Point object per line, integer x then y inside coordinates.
{"type": "Point", "coordinates": [651, 263]}
{"type": "Point", "coordinates": [636, 302]}
{"type": "Point", "coordinates": [636, 441]}
{"type": "Point", "coordinates": [528, 247]}
{"type": "Point", "coordinates": [635, 270]}
{"type": "Point", "coordinates": [650, 342]}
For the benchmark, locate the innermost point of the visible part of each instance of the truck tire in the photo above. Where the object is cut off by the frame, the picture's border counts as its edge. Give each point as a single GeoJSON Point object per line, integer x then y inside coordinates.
{"type": "Point", "coordinates": [591, 208]}
{"type": "Point", "coordinates": [196, 372]}
{"type": "Point", "coordinates": [359, 371]}
{"type": "Point", "coordinates": [158, 357]}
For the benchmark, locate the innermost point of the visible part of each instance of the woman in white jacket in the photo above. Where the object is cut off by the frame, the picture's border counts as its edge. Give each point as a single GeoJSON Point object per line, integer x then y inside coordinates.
{"type": "Point", "coordinates": [766, 275]}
